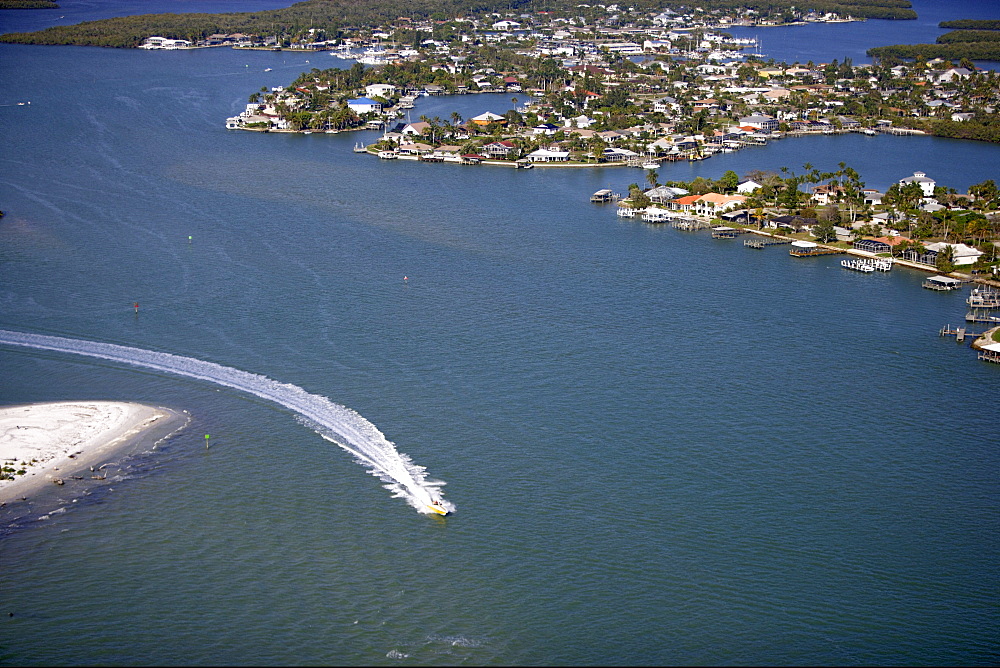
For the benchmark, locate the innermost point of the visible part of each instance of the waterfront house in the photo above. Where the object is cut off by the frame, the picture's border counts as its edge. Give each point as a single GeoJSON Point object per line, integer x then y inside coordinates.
{"type": "Point", "coordinates": [663, 194]}
{"type": "Point", "coordinates": [448, 153]}
{"type": "Point", "coordinates": [961, 254]}
{"type": "Point", "coordinates": [364, 105]}
{"type": "Point", "coordinates": [157, 42]}
{"type": "Point", "coordinates": [685, 204]}
{"type": "Point", "coordinates": [926, 184]}
{"type": "Point", "coordinates": [760, 121]}
{"type": "Point", "coordinates": [498, 149]}
{"type": "Point", "coordinates": [615, 154]}
{"type": "Point", "coordinates": [876, 246]}
{"type": "Point", "coordinates": [548, 155]}
{"type": "Point", "coordinates": [747, 186]}
{"type": "Point", "coordinates": [712, 204]}
{"type": "Point", "coordinates": [415, 148]}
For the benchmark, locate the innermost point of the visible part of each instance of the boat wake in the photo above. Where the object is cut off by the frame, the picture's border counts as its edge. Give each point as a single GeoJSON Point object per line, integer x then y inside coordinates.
{"type": "Point", "coordinates": [337, 424]}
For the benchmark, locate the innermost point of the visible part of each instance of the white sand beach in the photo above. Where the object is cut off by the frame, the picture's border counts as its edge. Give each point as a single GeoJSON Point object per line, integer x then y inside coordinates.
{"type": "Point", "coordinates": [52, 441]}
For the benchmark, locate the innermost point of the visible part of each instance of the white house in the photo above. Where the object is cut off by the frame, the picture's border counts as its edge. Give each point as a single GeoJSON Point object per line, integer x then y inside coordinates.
{"type": "Point", "coordinates": [712, 204]}
{"type": "Point", "coordinates": [506, 25]}
{"type": "Point", "coordinates": [380, 90]}
{"type": "Point", "coordinates": [963, 254]}
{"type": "Point", "coordinates": [760, 121]}
{"type": "Point", "coordinates": [156, 42]}
{"type": "Point", "coordinates": [747, 186]}
{"type": "Point", "coordinates": [416, 129]}
{"type": "Point", "coordinates": [926, 184]}
{"type": "Point", "coordinates": [364, 105]}
{"type": "Point", "coordinates": [548, 155]}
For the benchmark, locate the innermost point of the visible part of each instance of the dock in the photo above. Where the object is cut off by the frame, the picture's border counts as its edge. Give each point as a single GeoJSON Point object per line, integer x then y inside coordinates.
{"type": "Point", "coordinates": [725, 232]}
{"type": "Point", "coordinates": [689, 224]}
{"type": "Point", "coordinates": [762, 243]}
{"type": "Point", "coordinates": [959, 333]}
{"type": "Point", "coordinates": [604, 196]}
{"type": "Point", "coordinates": [990, 355]}
{"type": "Point", "coordinates": [976, 316]}
{"type": "Point", "coordinates": [811, 252]}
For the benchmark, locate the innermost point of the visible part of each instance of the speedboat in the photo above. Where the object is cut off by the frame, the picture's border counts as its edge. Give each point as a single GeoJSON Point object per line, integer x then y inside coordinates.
{"type": "Point", "coordinates": [436, 507]}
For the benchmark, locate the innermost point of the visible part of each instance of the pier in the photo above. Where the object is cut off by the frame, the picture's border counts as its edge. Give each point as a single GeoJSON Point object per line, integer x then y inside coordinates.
{"type": "Point", "coordinates": [818, 250]}
{"type": "Point", "coordinates": [761, 243]}
{"type": "Point", "coordinates": [690, 224]}
{"type": "Point", "coordinates": [977, 316]}
{"type": "Point", "coordinates": [726, 232]}
{"type": "Point", "coordinates": [605, 195]}
{"type": "Point", "coordinates": [990, 355]}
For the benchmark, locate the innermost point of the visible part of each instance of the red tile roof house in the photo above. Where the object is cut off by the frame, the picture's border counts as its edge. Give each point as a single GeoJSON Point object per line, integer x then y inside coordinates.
{"type": "Point", "coordinates": [712, 204]}
{"type": "Point", "coordinates": [685, 203]}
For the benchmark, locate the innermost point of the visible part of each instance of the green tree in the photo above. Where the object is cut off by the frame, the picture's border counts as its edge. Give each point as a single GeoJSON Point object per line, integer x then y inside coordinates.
{"type": "Point", "coordinates": [945, 260]}
{"type": "Point", "coordinates": [729, 181]}
{"type": "Point", "coordinates": [823, 231]}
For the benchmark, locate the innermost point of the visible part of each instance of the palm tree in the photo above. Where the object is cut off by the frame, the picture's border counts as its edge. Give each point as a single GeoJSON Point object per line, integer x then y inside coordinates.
{"type": "Point", "coordinates": [651, 175]}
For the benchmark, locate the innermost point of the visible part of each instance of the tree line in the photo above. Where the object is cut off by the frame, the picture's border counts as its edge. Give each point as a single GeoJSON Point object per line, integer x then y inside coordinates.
{"type": "Point", "coordinates": [334, 17]}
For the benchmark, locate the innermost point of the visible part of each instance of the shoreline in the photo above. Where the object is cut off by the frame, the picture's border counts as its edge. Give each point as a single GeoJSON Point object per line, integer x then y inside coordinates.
{"type": "Point", "coordinates": [58, 442]}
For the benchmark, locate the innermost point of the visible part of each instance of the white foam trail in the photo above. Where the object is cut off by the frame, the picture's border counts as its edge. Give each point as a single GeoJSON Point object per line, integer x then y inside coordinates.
{"type": "Point", "coordinates": [334, 422]}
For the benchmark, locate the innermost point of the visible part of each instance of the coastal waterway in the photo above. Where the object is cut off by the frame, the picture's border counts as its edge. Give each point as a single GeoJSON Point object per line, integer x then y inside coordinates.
{"type": "Point", "coordinates": [660, 446]}
{"type": "Point", "coordinates": [824, 42]}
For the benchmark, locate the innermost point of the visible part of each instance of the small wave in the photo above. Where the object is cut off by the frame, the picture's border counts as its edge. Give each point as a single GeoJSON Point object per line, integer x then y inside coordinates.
{"type": "Point", "coordinates": [396, 654]}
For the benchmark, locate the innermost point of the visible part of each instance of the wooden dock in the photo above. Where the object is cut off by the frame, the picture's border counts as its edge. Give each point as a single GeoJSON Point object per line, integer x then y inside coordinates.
{"type": "Point", "coordinates": [725, 233]}
{"type": "Point", "coordinates": [810, 252]}
{"type": "Point", "coordinates": [976, 316]}
{"type": "Point", "coordinates": [990, 356]}
{"type": "Point", "coordinates": [762, 243]}
{"type": "Point", "coordinates": [958, 332]}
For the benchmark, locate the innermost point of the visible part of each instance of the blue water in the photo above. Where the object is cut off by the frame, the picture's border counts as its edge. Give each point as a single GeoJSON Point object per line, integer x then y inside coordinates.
{"type": "Point", "coordinates": [824, 42]}
{"type": "Point", "coordinates": [662, 448]}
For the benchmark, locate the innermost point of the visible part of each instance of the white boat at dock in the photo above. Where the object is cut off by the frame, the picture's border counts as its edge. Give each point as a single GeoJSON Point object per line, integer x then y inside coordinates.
{"type": "Point", "coordinates": [388, 155]}
{"type": "Point", "coordinates": [985, 298]}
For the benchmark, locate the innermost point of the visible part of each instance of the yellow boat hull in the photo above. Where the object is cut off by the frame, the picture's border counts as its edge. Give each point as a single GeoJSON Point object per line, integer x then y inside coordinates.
{"type": "Point", "coordinates": [437, 509]}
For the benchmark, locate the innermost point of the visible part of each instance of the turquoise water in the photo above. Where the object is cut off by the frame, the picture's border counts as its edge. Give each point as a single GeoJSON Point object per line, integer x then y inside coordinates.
{"type": "Point", "coordinates": [662, 448]}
